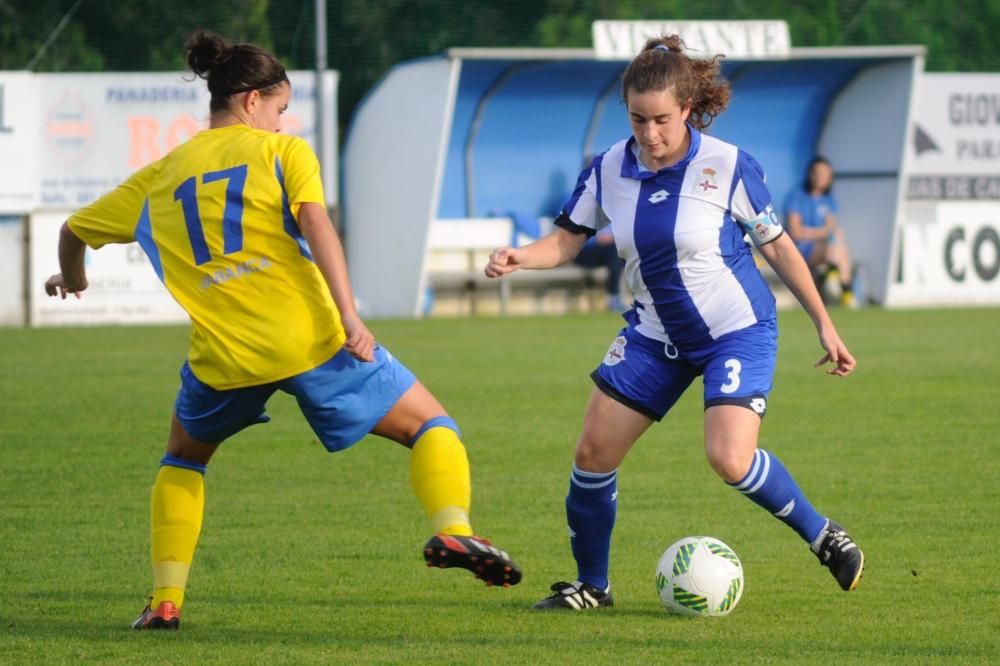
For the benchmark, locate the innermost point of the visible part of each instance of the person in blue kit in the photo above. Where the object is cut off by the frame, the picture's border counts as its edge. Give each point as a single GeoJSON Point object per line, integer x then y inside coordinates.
{"type": "Point", "coordinates": [811, 218]}
{"type": "Point", "coordinates": [680, 204]}
{"type": "Point", "coordinates": [601, 251]}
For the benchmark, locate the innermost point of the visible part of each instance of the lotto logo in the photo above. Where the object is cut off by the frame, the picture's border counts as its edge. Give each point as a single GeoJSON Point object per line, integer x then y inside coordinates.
{"type": "Point", "coordinates": [758, 405]}
{"type": "Point", "coordinates": [657, 197]}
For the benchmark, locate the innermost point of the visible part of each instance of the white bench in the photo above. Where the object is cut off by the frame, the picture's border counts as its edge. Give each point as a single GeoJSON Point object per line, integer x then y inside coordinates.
{"type": "Point", "coordinates": [458, 250]}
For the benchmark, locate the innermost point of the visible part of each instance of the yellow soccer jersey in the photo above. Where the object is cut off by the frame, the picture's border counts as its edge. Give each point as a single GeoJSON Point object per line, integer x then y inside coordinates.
{"type": "Point", "coordinates": [217, 219]}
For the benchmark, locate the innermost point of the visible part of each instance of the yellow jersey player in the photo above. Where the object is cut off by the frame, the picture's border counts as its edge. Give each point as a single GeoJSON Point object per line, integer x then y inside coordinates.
{"type": "Point", "coordinates": [234, 224]}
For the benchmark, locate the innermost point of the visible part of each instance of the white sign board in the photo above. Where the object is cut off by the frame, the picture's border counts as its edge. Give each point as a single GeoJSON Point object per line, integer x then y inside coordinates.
{"type": "Point", "coordinates": [948, 243]}
{"type": "Point", "coordinates": [949, 256]}
{"type": "Point", "coordinates": [96, 129]}
{"type": "Point", "coordinates": [19, 122]}
{"type": "Point", "coordinates": [11, 271]}
{"type": "Point", "coordinates": [747, 40]}
{"type": "Point", "coordinates": [123, 287]}
{"type": "Point", "coordinates": [955, 145]}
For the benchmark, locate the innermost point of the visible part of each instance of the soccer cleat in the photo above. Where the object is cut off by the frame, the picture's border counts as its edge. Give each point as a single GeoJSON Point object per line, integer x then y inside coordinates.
{"type": "Point", "coordinates": [166, 616]}
{"type": "Point", "coordinates": [837, 551]}
{"type": "Point", "coordinates": [489, 563]}
{"type": "Point", "coordinates": [575, 596]}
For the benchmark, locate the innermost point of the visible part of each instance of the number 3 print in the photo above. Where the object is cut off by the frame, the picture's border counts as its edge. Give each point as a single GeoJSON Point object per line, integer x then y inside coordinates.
{"type": "Point", "coordinates": [733, 380]}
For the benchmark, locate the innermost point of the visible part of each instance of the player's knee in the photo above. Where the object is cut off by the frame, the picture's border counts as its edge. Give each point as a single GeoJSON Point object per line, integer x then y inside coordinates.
{"type": "Point", "coordinates": [591, 456]}
{"type": "Point", "coordinates": [729, 462]}
{"type": "Point", "coordinates": [435, 422]}
{"type": "Point", "coordinates": [191, 463]}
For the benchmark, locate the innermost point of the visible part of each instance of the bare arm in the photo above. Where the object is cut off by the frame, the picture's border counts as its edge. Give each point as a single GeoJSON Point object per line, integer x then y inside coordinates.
{"type": "Point", "coordinates": [328, 253]}
{"type": "Point", "coordinates": [786, 261]}
{"type": "Point", "coordinates": [73, 276]}
{"type": "Point", "coordinates": [549, 251]}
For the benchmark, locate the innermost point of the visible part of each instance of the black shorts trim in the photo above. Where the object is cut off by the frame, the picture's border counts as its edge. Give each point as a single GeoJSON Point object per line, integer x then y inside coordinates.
{"type": "Point", "coordinates": [564, 222]}
{"type": "Point", "coordinates": [744, 401]}
{"type": "Point", "coordinates": [616, 395]}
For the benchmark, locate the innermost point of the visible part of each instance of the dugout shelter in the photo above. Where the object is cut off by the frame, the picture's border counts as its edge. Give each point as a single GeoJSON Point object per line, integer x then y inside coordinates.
{"type": "Point", "coordinates": [443, 145]}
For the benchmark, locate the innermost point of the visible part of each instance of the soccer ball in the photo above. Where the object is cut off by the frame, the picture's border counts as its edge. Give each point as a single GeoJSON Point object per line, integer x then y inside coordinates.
{"type": "Point", "coordinates": [699, 576]}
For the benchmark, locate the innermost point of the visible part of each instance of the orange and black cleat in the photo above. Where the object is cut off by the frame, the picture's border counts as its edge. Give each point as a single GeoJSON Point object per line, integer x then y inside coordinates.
{"type": "Point", "coordinates": [490, 564]}
{"type": "Point", "coordinates": [166, 616]}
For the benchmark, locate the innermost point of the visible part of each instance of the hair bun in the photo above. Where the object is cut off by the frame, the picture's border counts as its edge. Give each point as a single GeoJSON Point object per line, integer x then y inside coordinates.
{"type": "Point", "coordinates": [672, 43]}
{"type": "Point", "coordinates": [204, 51]}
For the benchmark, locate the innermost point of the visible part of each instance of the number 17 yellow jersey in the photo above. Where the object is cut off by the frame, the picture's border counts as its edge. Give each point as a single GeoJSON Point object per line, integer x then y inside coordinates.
{"type": "Point", "coordinates": [217, 217]}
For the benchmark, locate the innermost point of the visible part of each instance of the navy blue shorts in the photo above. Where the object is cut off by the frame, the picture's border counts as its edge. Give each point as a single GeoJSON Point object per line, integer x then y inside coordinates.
{"type": "Point", "coordinates": [649, 376]}
{"type": "Point", "coordinates": [342, 399]}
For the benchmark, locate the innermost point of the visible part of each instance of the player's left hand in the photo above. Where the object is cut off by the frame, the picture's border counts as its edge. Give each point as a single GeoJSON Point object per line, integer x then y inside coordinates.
{"type": "Point", "coordinates": [836, 353]}
{"type": "Point", "coordinates": [360, 342]}
{"type": "Point", "coordinates": [57, 286]}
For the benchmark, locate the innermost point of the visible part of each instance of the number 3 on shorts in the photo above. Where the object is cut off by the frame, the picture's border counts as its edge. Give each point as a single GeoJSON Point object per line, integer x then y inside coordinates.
{"type": "Point", "coordinates": [733, 380]}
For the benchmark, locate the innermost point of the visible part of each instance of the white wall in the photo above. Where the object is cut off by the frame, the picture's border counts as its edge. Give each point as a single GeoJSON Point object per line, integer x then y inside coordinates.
{"type": "Point", "coordinates": [865, 134]}
{"type": "Point", "coordinates": [391, 194]}
{"type": "Point", "coordinates": [11, 271]}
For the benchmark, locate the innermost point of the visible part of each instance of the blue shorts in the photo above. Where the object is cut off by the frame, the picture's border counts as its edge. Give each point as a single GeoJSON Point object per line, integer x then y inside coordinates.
{"type": "Point", "coordinates": [806, 249]}
{"type": "Point", "coordinates": [342, 399]}
{"type": "Point", "coordinates": [649, 376]}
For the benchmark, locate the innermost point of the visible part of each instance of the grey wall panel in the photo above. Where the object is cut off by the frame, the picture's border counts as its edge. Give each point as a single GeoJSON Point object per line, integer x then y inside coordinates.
{"type": "Point", "coordinates": [393, 161]}
{"type": "Point", "coordinates": [864, 137]}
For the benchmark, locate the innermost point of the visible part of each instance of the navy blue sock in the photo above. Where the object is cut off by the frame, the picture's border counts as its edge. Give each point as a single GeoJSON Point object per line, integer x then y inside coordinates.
{"type": "Point", "coordinates": [590, 510]}
{"type": "Point", "coordinates": [770, 485]}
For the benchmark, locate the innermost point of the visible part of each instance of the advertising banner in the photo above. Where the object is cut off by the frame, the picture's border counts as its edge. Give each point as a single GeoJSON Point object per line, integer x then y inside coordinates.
{"type": "Point", "coordinates": [948, 244]}
{"type": "Point", "coordinates": [949, 255]}
{"type": "Point", "coordinates": [747, 40]}
{"type": "Point", "coordinates": [123, 286]}
{"type": "Point", "coordinates": [96, 129]}
{"type": "Point", "coordinates": [19, 123]}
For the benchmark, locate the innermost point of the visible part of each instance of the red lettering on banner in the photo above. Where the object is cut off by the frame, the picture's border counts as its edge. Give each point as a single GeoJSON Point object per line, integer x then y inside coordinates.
{"type": "Point", "coordinates": [143, 132]}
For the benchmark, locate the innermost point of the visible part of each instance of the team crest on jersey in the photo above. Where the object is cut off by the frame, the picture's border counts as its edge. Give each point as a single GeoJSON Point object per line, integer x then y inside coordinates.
{"type": "Point", "coordinates": [616, 353]}
{"type": "Point", "coordinates": [706, 182]}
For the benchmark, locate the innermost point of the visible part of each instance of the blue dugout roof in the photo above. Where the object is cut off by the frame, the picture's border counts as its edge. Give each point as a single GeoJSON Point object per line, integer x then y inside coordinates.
{"type": "Point", "coordinates": [521, 129]}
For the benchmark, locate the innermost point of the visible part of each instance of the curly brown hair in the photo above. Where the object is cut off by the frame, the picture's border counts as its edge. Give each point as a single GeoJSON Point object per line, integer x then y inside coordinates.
{"type": "Point", "coordinates": [662, 64]}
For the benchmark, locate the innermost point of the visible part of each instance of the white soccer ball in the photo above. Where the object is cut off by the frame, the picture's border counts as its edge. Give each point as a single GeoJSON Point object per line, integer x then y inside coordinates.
{"type": "Point", "coordinates": [699, 576]}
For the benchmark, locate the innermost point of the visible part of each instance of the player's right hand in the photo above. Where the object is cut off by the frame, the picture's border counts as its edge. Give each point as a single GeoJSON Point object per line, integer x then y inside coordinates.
{"type": "Point", "coordinates": [56, 286]}
{"type": "Point", "coordinates": [503, 260]}
{"type": "Point", "coordinates": [360, 342]}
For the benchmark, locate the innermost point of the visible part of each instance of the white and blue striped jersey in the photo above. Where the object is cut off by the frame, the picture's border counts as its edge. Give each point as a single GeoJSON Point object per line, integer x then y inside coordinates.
{"type": "Point", "coordinates": [681, 231]}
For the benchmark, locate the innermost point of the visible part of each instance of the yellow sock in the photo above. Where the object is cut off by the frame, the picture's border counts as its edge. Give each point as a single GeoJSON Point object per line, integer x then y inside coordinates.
{"type": "Point", "coordinates": [439, 472]}
{"type": "Point", "coordinates": [178, 505]}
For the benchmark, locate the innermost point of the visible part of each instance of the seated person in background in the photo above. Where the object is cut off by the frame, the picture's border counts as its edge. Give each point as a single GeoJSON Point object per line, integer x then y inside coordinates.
{"type": "Point", "coordinates": [602, 251]}
{"type": "Point", "coordinates": [810, 219]}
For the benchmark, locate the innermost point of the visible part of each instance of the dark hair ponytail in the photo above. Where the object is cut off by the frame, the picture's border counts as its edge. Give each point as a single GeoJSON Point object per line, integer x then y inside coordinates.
{"type": "Point", "coordinates": [662, 63]}
{"type": "Point", "coordinates": [232, 68]}
{"type": "Point", "coordinates": [807, 183]}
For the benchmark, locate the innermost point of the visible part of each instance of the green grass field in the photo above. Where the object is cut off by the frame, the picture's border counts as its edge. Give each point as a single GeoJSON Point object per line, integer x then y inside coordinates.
{"type": "Point", "coordinates": [307, 557]}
